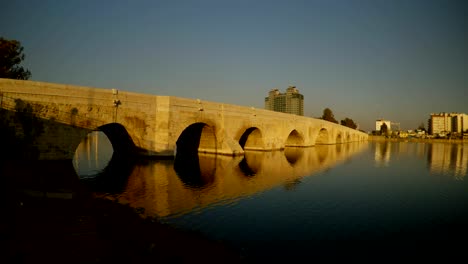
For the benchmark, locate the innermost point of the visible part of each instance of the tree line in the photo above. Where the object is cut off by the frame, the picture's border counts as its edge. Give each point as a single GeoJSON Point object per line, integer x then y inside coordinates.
{"type": "Point", "coordinates": [329, 116]}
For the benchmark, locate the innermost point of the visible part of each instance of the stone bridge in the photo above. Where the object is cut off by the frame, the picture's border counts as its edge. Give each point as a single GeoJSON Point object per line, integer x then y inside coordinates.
{"type": "Point", "coordinates": [52, 119]}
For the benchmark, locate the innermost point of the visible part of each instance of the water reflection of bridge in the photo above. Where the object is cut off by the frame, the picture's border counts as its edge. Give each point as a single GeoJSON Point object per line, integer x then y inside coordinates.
{"type": "Point", "coordinates": [165, 187]}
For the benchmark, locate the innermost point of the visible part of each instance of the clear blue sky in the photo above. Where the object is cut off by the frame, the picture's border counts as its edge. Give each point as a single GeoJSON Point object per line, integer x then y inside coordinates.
{"type": "Point", "coordinates": [398, 60]}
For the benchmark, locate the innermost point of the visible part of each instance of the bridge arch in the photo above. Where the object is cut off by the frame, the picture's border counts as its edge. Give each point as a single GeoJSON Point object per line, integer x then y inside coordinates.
{"type": "Point", "coordinates": [197, 137]}
{"type": "Point", "coordinates": [122, 142]}
{"type": "Point", "coordinates": [294, 139]}
{"type": "Point", "coordinates": [322, 137]}
{"type": "Point", "coordinates": [252, 139]}
{"type": "Point", "coordinates": [339, 138]}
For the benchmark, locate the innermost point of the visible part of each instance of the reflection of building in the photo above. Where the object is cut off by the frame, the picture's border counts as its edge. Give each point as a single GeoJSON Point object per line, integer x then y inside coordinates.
{"type": "Point", "coordinates": [448, 122]}
{"type": "Point", "coordinates": [461, 161]}
{"type": "Point", "coordinates": [291, 102]}
{"type": "Point", "coordinates": [448, 159]}
{"type": "Point", "coordinates": [382, 153]}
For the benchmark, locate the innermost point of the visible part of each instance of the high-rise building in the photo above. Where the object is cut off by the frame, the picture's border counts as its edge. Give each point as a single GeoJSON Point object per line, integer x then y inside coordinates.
{"type": "Point", "coordinates": [460, 123]}
{"type": "Point", "coordinates": [448, 122]}
{"type": "Point", "coordinates": [291, 102]}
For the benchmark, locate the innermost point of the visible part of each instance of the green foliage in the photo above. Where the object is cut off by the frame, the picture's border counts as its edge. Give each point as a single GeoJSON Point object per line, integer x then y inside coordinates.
{"type": "Point", "coordinates": [328, 115]}
{"type": "Point", "coordinates": [421, 127]}
{"type": "Point", "coordinates": [384, 129]}
{"type": "Point", "coordinates": [11, 56]}
{"type": "Point", "coordinates": [348, 122]}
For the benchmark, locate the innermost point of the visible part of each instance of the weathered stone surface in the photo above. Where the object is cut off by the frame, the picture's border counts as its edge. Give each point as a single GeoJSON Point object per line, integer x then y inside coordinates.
{"type": "Point", "coordinates": [58, 116]}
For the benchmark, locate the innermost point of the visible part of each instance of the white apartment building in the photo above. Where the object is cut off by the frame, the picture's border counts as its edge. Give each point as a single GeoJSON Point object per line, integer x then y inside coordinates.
{"type": "Point", "coordinates": [380, 122]}
{"type": "Point", "coordinates": [448, 122]}
{"type": "Point", "coordinates": [460, 123]}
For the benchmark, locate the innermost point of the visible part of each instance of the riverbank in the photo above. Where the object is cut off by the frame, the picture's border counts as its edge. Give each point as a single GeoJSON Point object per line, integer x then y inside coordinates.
{"type": "Point", "coordinates": [420, 140]}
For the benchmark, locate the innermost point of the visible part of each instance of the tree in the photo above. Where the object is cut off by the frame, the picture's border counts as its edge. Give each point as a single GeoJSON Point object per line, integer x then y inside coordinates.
{"type": "Point", "coordinates": [384, 129]}
{"type": "Point", "coordinates": [328, 115]}
{"type": "Point", "coordinates": [11, 56]}
{"type": "Point", "coordinates": [421, 127]}
{"type": "Point", "coordinates": [348, 122]}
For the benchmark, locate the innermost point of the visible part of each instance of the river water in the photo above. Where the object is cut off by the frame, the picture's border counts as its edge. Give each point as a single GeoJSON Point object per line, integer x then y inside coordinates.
{"type": "Point", "coordinates": [356, 199]}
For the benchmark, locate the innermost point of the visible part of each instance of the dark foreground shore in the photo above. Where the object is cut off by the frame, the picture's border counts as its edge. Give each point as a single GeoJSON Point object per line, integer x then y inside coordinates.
{"type": "Point", "coordinates": [51, 220]}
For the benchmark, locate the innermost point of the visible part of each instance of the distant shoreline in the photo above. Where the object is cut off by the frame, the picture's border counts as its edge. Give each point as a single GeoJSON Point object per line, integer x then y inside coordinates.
{"type": "Point", "coordinates": [420, 140]}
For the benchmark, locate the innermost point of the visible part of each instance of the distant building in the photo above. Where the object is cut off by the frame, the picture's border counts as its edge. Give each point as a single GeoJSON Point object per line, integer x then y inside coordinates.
{"type": "Point", "coordinates": [380, 122]}
{"type": "Point", "coordinates": [460, 123]}
{"type": "Point", "coordinates": [291, 102]}
{"type": "Point", "coordinates": [444, 123]}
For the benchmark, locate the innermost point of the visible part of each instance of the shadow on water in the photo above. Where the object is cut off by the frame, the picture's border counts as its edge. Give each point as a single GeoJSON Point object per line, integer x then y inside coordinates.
{"type": "Point", "coordinates": [246, 170]}
{"type": "Point", "coordinates": [251, 164]}
{"type": "Point", "coordinates": [195, 171]}
{"type": "Point", "coordinates": [114, 177]}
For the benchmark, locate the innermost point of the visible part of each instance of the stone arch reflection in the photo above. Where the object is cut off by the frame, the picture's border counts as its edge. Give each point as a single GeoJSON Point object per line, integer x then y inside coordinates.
{"type": "Point", "coordinates": [251, 164]}
{"type": "Point", "coordinates": [113, 179]}
{"type": "Point", "coordinates": [339, 148]}
{"type": "Point", "coordinates": [293, 154]}
{"type": "Point", "coordinates": [173, 187]}
{"type": "Point", "coordinates": [196, 171]}
{"type": "Point", "coordinates": [322, 153]}
{"type": "Point", "coordinates": [245, 168]}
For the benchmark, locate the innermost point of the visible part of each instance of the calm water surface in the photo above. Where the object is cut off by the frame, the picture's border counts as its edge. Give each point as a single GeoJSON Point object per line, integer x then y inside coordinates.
{"type": "Point", "coordinates": [381, 197]}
